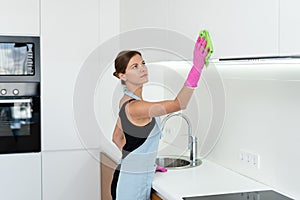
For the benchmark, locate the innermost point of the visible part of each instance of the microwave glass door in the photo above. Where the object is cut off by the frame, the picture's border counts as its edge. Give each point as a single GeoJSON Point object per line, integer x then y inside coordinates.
{"type": "Point", "coordinates": [16, 59]}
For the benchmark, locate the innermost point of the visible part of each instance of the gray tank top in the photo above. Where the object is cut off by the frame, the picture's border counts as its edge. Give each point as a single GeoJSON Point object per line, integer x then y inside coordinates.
{"type": "Point", "coordinates": [135, 135]}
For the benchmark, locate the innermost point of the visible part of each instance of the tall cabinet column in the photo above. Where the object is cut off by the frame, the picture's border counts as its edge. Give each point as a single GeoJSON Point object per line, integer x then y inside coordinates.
{"type": "Point", "coordinates": [69, 32]}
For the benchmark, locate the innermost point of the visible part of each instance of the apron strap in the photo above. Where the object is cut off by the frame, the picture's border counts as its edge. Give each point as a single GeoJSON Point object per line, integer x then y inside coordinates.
{"type": "Point", "coordinates": [129, 93]}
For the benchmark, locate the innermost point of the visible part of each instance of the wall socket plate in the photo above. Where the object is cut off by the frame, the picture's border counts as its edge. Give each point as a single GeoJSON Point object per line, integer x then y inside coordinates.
{"type": "Point", "coordinates": [249, 158]}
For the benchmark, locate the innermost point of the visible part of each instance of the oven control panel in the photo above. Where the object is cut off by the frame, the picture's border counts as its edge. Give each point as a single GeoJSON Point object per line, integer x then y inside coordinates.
{"type": "Point", "coordinates": [19, 89]}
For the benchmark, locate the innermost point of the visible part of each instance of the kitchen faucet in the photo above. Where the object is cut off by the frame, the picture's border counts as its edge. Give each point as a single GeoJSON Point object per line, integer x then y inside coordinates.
{"type": "Point", "coordinates": [192, 140]}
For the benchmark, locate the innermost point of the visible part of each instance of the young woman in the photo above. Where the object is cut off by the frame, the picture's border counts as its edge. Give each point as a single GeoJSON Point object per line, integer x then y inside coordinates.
{"type": "Point", "coordinates": [137, 132]}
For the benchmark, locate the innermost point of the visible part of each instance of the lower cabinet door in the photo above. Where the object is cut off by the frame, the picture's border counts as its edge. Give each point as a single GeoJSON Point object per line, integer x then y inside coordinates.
{"type": "Point", "coordinates": [107, 168]}
{"type": "Point", "coordinates": [20, 176]}
{"type": "Point", "coordinates": [154, 196]}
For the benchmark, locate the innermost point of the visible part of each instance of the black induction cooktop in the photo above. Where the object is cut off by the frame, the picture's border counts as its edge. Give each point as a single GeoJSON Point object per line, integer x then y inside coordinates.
{"type": "Point", "coordinates": [256, 195]}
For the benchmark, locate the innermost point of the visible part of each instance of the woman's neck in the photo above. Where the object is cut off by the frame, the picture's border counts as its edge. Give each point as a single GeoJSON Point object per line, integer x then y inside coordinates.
{"type": "Point", "coordinates": [136, 90]}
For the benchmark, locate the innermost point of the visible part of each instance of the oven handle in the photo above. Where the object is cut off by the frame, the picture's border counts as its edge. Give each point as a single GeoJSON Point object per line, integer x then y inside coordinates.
{"type": "Point", "coordinates": [15, 100]}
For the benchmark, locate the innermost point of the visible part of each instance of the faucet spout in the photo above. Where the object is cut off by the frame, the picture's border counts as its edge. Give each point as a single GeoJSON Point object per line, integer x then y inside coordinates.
{"type": "Point", "coordinates": [192, 140]}
{"type": "Point", "coordinates": [193, 150]}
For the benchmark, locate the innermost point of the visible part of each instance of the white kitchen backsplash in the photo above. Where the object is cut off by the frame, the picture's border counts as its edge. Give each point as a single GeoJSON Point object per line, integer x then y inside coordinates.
{"type": "Point", "coordinates": [262, 117]}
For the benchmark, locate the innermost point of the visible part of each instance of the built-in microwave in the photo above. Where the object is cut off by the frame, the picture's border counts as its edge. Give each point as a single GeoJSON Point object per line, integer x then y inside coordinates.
{"type": "Point", "coordinates": [19, 59]}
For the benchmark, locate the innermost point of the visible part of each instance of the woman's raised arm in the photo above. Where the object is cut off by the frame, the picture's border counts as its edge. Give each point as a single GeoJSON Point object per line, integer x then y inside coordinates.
{"type": "Point", "coordinates": [144, 109]}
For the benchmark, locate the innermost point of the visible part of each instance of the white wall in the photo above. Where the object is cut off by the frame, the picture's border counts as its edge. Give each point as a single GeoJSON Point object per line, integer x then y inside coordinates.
{"type": "Point", "coordinates": [262, 117]}
{"type": "Point", "coordinates": [199, 110]}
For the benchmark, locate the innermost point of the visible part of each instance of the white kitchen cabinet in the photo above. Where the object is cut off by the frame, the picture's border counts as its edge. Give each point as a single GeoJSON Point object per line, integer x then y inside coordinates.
{"type": "Point", "coordinates": [289, 27]}
{"type": "Point", "coordinates": [19, 17]}
{"type": "Point", "coordinates": [20, 176]}
{"type": "Point", "coordinates": [71, 175]}
{"type": "Point", "coordinates": [143, 14]}
{"type": "Point", "coordinates": [109, 19]}
{"type": "Point", "coordinates": [139, 15]}
{"type": "Point", "coordinates": [238, 28]}
{"type": "Point", "coordinates": [70, 31]}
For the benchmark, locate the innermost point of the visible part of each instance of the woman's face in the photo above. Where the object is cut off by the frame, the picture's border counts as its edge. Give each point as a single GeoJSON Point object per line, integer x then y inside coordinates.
{"type": "Point", "coordinates": [136, 71]}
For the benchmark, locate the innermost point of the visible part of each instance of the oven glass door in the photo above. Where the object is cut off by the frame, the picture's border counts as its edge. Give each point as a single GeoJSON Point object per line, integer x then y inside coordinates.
{"type": "Point", "coordinates": [20, 125]}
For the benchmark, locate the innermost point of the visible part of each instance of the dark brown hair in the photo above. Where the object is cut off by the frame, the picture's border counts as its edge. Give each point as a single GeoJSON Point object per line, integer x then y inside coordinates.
{"type": "Point", "coordinates": [122, 61]}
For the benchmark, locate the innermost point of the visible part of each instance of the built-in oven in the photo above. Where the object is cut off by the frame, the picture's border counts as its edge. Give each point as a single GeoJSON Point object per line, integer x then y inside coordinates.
{"type": "Point", "coordinates": [20, 126]}
{"type": "Point", "coordinates": [20, 107]}
{"type": "Point", "coordinates": [19, 59]}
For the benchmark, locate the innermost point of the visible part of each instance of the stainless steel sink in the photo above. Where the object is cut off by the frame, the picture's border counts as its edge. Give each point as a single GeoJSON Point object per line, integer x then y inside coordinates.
{"type": "Point", "coordinates": [176, 162]}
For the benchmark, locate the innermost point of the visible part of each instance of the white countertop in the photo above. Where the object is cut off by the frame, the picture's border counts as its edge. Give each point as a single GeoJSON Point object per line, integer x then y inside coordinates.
{"type": "Point", "coordinates": [206, 179]}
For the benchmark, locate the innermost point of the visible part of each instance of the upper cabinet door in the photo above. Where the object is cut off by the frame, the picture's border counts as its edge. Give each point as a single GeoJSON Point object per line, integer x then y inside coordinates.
{"type": "Point", "coordinates": [70, 31]}
{"type": "Point", "coordinates": [19, 17]}
{"type": "Point", "coordinates": [238, 28]}
{"type": "Point", "coordinates": [289, 27]}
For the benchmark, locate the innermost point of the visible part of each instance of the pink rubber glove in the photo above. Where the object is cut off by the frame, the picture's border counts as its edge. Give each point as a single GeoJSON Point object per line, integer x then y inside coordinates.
{"type": "Point", "coordinates": [161, 169]}
{"type": "Point", "coordinates": [198, 63]}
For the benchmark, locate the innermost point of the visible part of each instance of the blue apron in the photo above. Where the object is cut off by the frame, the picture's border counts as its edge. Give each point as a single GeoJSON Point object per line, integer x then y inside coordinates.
{"type": "Point", "coordinates": [138, 168]}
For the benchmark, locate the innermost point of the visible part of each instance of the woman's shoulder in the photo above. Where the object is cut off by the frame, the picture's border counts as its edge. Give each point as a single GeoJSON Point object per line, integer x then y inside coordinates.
{"type": "Point", "coordinates": [123, 100]}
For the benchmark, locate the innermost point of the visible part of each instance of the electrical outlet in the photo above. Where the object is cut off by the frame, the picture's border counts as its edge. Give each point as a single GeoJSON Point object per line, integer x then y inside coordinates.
{"type": "Point", "coordinates": [249, 158]}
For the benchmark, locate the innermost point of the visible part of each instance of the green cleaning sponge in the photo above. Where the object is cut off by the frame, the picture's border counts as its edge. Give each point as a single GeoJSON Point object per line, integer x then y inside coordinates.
{"type": "Point", "coordinates": [205, 34]}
